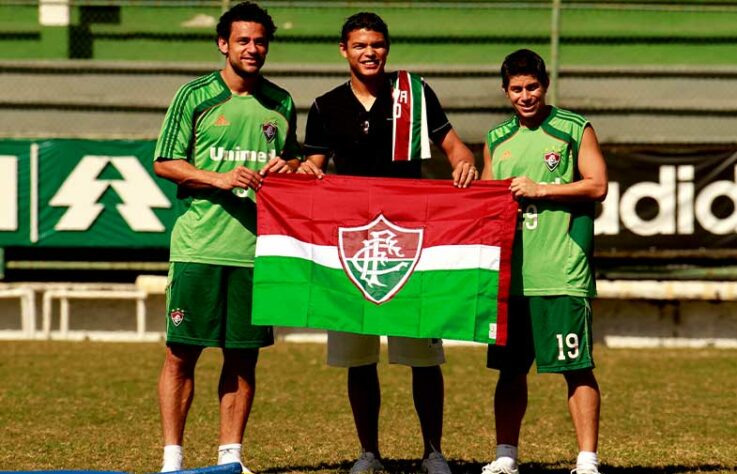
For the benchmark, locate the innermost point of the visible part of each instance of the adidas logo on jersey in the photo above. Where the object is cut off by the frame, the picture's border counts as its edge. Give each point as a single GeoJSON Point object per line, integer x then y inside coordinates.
{"type": "Point", "coordinates": [221, 121]}
{"type": "Point", "coordinates": [221, 154]}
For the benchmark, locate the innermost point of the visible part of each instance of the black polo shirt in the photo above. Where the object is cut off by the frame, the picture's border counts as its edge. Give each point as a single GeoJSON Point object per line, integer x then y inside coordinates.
{"type": "Point", "coordinates": [360, 141]}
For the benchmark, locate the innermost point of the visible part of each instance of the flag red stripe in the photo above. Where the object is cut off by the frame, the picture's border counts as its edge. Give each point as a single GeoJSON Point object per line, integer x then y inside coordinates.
{"type": "Point", "coordinates": [309, 209]}
{"type": "Point", "coordinates": [403, 123]}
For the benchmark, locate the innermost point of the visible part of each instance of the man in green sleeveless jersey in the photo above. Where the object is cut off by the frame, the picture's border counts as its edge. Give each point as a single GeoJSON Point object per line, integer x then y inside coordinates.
{"type": "Point", "coordinates": [557, 172]}
{"type": "Point", "coordinates": [223, 132]}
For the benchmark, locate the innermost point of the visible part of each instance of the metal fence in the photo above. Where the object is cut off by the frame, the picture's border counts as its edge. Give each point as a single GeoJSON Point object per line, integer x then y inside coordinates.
{"type": "Point", "coordinates": [108, 68]}
{"type": "Point", "coordinates": [656, 76]}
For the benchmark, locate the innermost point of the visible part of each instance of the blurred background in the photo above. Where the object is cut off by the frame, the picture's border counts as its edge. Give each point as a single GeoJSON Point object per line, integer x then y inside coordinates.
{"type": "Point", "coordinates": [84, 229]}
{"type": "Point", "coordinates": [84, 86]}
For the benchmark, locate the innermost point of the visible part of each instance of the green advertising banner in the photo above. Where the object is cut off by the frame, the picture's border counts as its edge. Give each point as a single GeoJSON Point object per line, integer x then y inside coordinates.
{"type": "Point", "coordinates": [83, 193]}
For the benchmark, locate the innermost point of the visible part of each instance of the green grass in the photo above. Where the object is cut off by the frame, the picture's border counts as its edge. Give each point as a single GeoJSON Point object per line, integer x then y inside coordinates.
{"type": "Point", "coordinates": [409, 27]}
{"type": "Point", "coordinates": [94, 406]}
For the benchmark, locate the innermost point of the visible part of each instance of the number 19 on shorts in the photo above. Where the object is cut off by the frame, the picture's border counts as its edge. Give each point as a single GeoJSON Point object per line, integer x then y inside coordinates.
{"type": "Point", "coordinates": [568, 346]}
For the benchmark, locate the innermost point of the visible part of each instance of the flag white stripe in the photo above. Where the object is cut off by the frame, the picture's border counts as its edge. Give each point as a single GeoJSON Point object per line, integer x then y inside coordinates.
{"type": "Point", "coordinates": [425, 135]}
{"type": "Point", "coordinates": [441, 257]}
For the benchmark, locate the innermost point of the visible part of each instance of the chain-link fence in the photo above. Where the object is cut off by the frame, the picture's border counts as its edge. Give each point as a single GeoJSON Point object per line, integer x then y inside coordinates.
{"type": "Point", "coordinates": [108, 68]}
{"type": "Point", "coordinates": [656, 79]}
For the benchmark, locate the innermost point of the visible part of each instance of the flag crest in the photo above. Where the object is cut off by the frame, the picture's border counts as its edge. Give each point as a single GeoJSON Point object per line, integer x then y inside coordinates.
{"type": "Point", "coordinates": [379, 257]}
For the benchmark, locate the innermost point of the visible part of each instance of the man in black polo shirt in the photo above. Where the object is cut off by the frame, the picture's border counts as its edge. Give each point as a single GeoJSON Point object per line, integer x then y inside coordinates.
{"type": "Point", "coordinates": [355, 125]}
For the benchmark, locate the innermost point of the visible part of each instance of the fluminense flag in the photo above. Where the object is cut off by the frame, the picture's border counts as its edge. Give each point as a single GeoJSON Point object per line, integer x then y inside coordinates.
{"type": "Point", "coordinates": [398, 257]}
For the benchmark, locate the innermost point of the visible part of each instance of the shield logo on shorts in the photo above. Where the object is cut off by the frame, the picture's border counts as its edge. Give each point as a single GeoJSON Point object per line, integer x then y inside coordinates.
{"type": "Point", "coordinates": [552, 159]}
{"type": "Point", "coordinates": [176, 316]}
{"type": "Point", "coordinates": [269, 130]}
{"type": "Point", "coordinates": [379, 257]}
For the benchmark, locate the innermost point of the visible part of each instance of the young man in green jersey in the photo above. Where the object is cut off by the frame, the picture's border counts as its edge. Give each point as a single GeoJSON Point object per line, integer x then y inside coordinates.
{"type": "Point", "coordinates": [557, 173]}
{"type": "Point", "coordinates": [222, 134]}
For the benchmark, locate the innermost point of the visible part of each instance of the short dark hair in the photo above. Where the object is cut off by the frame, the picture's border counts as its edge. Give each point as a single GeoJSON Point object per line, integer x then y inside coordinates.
{"type": "Point", "coordinates": [364, 21]}
{"type": "Point", "coordinates": [524, 62]}
{"type": "Point", "coordinates": [245, 11]}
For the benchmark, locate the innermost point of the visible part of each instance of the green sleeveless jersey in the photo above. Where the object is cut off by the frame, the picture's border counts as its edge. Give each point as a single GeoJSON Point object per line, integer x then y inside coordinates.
{"type": "Point", "coordinates": [215, 130]}
{"type": "Point", "coordinates": [554, 241]}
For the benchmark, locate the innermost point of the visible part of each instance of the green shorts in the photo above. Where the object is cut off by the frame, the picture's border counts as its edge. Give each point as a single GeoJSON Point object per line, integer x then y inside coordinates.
{"type": "Point", "coordinates": [553, 331]}
{"type": "Point", "coordinates": [210, 306]}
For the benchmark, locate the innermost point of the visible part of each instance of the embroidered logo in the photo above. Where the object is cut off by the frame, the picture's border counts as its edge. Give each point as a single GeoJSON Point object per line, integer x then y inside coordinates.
{"type": "Point", "coordinates": [379, 257]}
{"type": "Point", "coordinates": [552, 159]}
{"type": "Point", "coordinates": [177, 316]}
{"type": "Point", "coordinates": [269, 130]}
{"type": "Point", "coordinates": [221, 121]}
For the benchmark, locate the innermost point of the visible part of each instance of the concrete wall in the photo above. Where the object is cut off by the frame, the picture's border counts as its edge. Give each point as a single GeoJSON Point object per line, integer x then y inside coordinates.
{"type": "Point", "coordinates": [665, 323]}
{"type": "Point", "coordinates": [618, 322]}
{"type": "Point", "coordinates": [99, 99]}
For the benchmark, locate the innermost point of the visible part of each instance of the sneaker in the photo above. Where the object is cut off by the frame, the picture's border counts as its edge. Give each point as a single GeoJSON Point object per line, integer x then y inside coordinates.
{"type": "Point", "coordinates": [435, 463]}
{"type": "Point", "coordinates": [496, 467]}
{"type": "Point", "coordinates": [586, 470]}
{"type": "Point", "coordinates": [245, 470]}
{"type": "Point", "coordinates": [367, 463]}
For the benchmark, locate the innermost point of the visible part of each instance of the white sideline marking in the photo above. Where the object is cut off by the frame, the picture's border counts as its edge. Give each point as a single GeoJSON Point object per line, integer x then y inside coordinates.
{"type": "Point", "coordinates": [640, 342]}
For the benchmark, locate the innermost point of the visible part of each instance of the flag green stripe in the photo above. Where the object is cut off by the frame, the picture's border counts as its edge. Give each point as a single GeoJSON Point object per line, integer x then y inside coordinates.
{"type": "Point", "coordinates": [416, 123]}
{"type": "Point", "coordinates": [296, 292]}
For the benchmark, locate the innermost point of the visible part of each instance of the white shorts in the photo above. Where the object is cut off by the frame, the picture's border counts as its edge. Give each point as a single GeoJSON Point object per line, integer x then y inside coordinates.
{"type": "Point", "coordinates": [354, 350]}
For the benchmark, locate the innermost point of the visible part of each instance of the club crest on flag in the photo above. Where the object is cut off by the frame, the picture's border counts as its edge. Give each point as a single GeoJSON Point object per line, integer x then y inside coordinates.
{"type": "Point", "coordinates": [552, 158]}
{"type": "Point", "coordinates": [269, 130]}
{"type": "Point", "coordinates": [379, 257]}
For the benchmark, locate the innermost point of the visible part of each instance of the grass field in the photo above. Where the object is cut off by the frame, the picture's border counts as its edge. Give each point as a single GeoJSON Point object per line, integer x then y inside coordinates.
{"type": "Point", "coordinates": [93, 406]}
{"type": "Point", "coordinates": [665, 37]}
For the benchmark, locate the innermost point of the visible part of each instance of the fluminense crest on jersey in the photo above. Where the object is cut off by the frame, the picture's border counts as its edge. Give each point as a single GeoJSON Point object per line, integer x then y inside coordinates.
{"type": "Point", "coordinates": [379, 257]}
{"type": "Point", "coordinates": [269, 130]}
{"type": "Point", "coordinates": [552, 159]}
{"type": "Point", "coordinates": [177, 316]}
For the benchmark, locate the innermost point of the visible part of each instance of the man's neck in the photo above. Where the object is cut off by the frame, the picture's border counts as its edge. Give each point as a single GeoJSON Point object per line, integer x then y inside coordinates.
{"type": "Point", "coordinates": [366, 90]}
{"type": "Point", "coordinates": [534, 122]}
{"type": "Point", "coordinates": [238, 84]}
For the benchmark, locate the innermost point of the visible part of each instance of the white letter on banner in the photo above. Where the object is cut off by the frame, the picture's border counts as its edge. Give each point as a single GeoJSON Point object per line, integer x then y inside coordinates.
{"type": "Point", "coordinates": [81, 191]}
{"type": "Point", "coordinates": [664, 193]}
{"type": "Point", "coordinates": [139, 194]}
{"type": "Point", "coordinates": [8, 192]}
{"type": "Point", "coordinates": [707, 219]}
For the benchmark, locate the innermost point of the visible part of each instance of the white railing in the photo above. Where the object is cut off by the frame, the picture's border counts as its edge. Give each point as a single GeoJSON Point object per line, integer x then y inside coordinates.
{"type": "Point", "coordinates": [147, 286]}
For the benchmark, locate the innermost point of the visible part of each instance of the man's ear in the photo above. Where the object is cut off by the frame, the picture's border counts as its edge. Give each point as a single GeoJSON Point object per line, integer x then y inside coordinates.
{"type": "Point", "coordinates": [343, 49]}
{"type": "Point", "coordinates": [223, 45]}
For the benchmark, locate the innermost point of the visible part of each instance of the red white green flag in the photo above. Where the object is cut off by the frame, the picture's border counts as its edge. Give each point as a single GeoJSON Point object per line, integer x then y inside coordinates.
{"type": "Point", "coordinates": [399, 257]}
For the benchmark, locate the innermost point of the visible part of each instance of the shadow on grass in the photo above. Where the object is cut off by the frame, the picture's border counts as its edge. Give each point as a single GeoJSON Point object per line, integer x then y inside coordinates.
{"type": "Point", "coordinates": [531, 468]}
{"type": "Point", "coordinates": [407, 466]}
